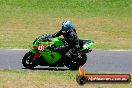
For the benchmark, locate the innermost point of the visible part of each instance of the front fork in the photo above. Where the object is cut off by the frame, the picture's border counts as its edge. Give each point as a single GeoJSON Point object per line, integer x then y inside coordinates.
{"type": "Point", "coordinates": [36, 54]}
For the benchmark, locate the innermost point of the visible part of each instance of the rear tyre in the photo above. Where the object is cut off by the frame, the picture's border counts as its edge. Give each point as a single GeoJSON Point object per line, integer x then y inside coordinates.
{"type": "Point", "coordinates": [74, 64]}
{"type": "Point", "coordinates": [27, 60]}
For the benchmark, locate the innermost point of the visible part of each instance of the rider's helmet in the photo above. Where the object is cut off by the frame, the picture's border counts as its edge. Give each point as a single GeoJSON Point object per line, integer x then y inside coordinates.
{"type": "Point", "coordinates": [66, 26]}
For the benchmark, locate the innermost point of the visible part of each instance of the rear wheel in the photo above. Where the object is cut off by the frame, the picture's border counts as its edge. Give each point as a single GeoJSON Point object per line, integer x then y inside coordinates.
{"type": "Point", "coordinates": [74, 64]}
{"type": "Point", "coordinates": [27, 60]}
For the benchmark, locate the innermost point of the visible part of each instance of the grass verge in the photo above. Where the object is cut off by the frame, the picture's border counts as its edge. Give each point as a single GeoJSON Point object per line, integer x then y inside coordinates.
{"type": "Point", "coordinates": [46, 79]}
{"type": "Point", "coordinates": [107, 22]}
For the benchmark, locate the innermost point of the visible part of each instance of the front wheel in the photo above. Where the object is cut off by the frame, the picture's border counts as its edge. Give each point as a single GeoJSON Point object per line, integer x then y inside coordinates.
{"type": "Point", "coordinates": [77, 62]}
{"type": "Point", "coordinates": [27, 60]}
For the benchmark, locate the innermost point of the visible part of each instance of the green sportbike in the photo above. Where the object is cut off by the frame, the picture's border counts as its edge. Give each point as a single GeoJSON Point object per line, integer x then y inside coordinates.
{"type": "Point", "coordinates": [43, 53]}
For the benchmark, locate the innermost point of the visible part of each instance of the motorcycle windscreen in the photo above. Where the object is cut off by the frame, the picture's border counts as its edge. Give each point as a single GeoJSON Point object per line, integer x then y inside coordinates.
{"type": "Point", "coordinates": [51, 57]}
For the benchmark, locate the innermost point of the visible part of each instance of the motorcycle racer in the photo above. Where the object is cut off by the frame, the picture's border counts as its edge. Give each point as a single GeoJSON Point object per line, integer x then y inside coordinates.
{"type": "Point", "coordinates": [71, 40]}
{"type": "Point", "coordinates": [58, 52]}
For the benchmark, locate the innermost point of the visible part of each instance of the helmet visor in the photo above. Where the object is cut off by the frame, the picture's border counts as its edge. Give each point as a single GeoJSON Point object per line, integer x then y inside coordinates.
{"type": "Point", "coordinates": [64, 29]}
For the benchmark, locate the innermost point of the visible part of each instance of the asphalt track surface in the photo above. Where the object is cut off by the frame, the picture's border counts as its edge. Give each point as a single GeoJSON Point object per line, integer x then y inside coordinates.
{"type": "Point", "coordinates": [98, 61]}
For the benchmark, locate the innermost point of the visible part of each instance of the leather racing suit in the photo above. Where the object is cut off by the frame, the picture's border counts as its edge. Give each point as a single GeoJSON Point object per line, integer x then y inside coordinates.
{"type": "Point", "coordinates": [71, 41]}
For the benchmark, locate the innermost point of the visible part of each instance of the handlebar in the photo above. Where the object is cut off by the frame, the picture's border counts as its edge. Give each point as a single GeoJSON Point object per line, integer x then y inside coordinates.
{"type": "Point", "coordinates": [45, 37]}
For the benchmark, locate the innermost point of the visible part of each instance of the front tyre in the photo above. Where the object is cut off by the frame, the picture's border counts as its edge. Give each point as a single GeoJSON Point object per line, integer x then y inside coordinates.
{"type": "Point", "coordinates": [27, 60]}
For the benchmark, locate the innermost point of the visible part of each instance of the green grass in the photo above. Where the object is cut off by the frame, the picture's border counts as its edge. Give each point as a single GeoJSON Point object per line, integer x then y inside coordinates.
{"type": "Point", "coordinates": [46, 79]}
{"type": "Point", "coordinates": [107, 22]}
